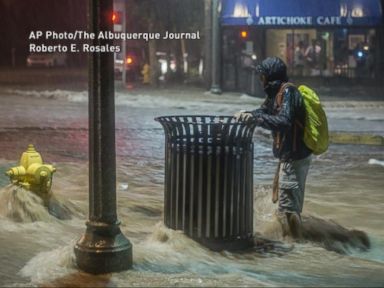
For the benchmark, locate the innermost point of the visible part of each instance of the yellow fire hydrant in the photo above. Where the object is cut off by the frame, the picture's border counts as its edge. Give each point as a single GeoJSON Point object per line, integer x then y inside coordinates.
{"type": "Point", "coordinates": [32, 174]}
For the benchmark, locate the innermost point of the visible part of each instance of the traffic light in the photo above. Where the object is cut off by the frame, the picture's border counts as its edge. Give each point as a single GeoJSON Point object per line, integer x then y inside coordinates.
{"type": "Point", "coordinates": [116, 17]}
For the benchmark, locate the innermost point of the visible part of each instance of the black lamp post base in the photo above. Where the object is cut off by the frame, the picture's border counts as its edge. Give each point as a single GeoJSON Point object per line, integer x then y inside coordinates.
{"type": "Point", "coordinates": [103, 249]}
{"type": "Point", "coordinates": [216, 89]}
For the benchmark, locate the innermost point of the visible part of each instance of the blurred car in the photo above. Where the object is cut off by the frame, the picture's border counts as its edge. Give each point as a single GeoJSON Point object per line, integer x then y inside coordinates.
{"type": "Point", "coordinates": [47, 60]}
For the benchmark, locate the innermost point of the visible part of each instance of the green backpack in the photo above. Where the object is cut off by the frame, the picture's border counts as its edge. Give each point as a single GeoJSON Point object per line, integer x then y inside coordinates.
{"type": "Point", "coordinates": [316, 125]}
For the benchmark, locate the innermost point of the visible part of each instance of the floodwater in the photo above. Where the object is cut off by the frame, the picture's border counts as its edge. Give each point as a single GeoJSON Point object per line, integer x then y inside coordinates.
{"type": "Point", "coordinates": [344, 186]}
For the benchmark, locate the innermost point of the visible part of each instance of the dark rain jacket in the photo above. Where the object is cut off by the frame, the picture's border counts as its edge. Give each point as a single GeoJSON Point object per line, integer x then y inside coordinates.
{"type": "Point", "coordinates": [286, 122]}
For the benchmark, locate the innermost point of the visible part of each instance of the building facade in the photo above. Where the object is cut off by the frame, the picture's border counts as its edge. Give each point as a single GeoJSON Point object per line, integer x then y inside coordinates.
{"type": "Point", "coordinates": [327, 38]}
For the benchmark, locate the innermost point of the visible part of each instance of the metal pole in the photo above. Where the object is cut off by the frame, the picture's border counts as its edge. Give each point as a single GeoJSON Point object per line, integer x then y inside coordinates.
{"type": "Point", "coordinates": [103, 248]}
{"type": "Point", "coordinates": [208, 43]}
{"type": "Point", "coordinates": [216, 48]}
{"type": "Point", "coordinates": [124, 48]}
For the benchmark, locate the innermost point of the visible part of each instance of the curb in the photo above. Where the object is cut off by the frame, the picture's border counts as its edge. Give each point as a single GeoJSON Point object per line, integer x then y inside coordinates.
{"type": "Point", "coordinates": [352, 138]}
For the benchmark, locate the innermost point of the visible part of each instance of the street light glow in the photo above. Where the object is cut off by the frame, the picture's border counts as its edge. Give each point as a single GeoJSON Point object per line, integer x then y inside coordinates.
{"type": "Point", "coordinates": [129, 60]}
{"type": "Point", "coordinates": [244, 34]}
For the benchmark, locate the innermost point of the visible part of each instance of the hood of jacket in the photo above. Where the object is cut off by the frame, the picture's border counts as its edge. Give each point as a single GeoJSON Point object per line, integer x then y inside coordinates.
{"type": "Point", "coordinates": [274, 69]}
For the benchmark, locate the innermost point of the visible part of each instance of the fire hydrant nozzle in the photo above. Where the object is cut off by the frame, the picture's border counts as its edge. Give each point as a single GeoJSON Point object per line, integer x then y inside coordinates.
{"type": "Point", "coordinates": [32, 174]}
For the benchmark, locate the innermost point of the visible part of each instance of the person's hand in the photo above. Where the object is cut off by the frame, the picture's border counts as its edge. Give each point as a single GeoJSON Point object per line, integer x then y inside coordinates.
{"type": "Point", "coordinates": [243, 116]}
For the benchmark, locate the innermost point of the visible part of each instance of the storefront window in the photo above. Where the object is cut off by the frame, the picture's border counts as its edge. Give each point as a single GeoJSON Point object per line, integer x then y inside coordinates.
{"type": "Point", "coordinates": [354, 53]}
{"type": "Point", "coordinates": [325, 53]}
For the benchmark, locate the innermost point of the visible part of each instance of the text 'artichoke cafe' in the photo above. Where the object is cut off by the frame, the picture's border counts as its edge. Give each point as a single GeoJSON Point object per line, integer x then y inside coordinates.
{"type": "Point", "coordinates": [321, 20]}
{"type": "Point", "coordinates": [328, 38]}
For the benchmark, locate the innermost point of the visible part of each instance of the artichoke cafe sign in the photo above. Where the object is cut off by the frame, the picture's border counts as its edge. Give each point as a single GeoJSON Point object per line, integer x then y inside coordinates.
{"type": "Point", "coordinates": [297, 20]}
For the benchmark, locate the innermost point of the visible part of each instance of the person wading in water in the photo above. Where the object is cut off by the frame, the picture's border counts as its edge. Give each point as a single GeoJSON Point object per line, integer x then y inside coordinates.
{"type": "Point", "coordinates": [282, 112]}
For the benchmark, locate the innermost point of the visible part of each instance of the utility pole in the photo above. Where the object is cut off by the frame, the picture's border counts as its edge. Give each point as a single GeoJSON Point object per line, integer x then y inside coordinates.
{"type": "Point", "coordinates": [103, 248]}
{"type": "Point", "coordinates": [216, 48]}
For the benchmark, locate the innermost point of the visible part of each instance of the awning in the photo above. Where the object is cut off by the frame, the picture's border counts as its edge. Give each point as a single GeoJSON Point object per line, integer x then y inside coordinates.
{"type": "Point", "coordinates": [274, 13]}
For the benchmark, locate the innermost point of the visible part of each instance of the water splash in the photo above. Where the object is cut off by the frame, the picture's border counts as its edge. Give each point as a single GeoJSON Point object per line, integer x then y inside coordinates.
{"type": "Point", "coordinates": [265, 221]}
{"type": "Point", "coordinates": [23, 206]}
{"type": "Point", "coordinates": [324, 232]}
{"type": "Point", "coordinates": [50, 265]}
{"type": "Point", "coordinates": [333, 236]}
{"type": "Point", "coordinates": [376, 162]}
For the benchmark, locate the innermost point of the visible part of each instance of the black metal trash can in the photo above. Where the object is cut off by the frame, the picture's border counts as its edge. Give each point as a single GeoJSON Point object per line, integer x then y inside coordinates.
{"type": "Point", "coordinates": [209, 179]}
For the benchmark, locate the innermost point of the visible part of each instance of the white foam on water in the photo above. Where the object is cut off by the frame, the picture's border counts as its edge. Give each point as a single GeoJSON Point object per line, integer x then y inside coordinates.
{"type": "Point", "coordinates": [22, 206]}
{"type": "Point", "coordinates": [21, 211]}
{"type": "Point", "coordinates": [374, 253]}
{"type": "Point", "coordinates": [265, 221]}
{"type": "Point", "coordinates": [167, 257]}
{"type": "Point", "coordinates": [72, 96]}
{"type": "Point", "coordinates": [168, 251]}
{"type": "Point", "coordinates": [188, 104]}
{"type": "Point", "coordinates": [50, 265]}
{"type": "Point", "coordinates": [376, 162]}
{"type": "Point", "coordinates": [148, 101]}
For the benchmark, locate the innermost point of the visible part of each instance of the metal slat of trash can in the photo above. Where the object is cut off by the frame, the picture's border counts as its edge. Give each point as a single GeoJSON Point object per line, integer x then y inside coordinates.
{"type": "Point", "coordinates": [209, 179]}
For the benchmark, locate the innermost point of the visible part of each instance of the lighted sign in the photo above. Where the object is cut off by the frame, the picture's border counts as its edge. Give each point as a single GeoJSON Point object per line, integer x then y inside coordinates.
{"type": "Point", "coordinates": [320, 20]}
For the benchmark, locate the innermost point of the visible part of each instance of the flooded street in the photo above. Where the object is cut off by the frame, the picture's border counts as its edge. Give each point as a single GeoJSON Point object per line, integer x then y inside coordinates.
{"type": "Point", "coordinates": [344, 185]}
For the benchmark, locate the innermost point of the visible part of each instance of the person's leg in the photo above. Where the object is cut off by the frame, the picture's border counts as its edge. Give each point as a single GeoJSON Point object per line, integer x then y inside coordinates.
{"type": "Point", "coordinates": [292, 186]}
{"type": "Point", "coordinates": [294, 224]}
{"type": "Point", "coordinates": [301, 168]}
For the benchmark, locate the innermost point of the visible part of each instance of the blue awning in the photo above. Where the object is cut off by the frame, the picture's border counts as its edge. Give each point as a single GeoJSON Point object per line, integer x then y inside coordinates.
{"type": "Point", "coordinates": [301, 13]}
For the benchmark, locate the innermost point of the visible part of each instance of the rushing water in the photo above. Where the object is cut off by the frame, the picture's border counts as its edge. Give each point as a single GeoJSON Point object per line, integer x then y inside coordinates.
{"type": "Point", "coordinates": [344, 186]}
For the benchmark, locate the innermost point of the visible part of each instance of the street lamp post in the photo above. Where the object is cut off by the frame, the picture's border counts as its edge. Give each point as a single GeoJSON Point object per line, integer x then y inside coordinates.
{"type": "Point", "coordinates": [216, 48]}
{"type": "Point", "coordinates": [103, 248]}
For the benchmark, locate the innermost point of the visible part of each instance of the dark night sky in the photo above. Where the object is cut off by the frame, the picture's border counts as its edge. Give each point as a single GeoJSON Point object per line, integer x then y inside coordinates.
{"type": "Point", "coordinates": [19, 17]}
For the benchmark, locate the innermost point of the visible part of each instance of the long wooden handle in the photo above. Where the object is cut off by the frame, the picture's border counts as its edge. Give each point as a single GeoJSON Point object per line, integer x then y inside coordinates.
{"type": "Point", "coordinates": [275, 186]}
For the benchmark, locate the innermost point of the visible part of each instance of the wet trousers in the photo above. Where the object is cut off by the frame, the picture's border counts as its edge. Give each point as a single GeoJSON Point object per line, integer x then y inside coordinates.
{"type": "Point", "coordinates": [293, 175]}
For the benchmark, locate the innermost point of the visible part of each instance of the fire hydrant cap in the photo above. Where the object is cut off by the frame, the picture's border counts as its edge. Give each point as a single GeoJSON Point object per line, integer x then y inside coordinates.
{"type": "Point", "coordinates": [31, 148]}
